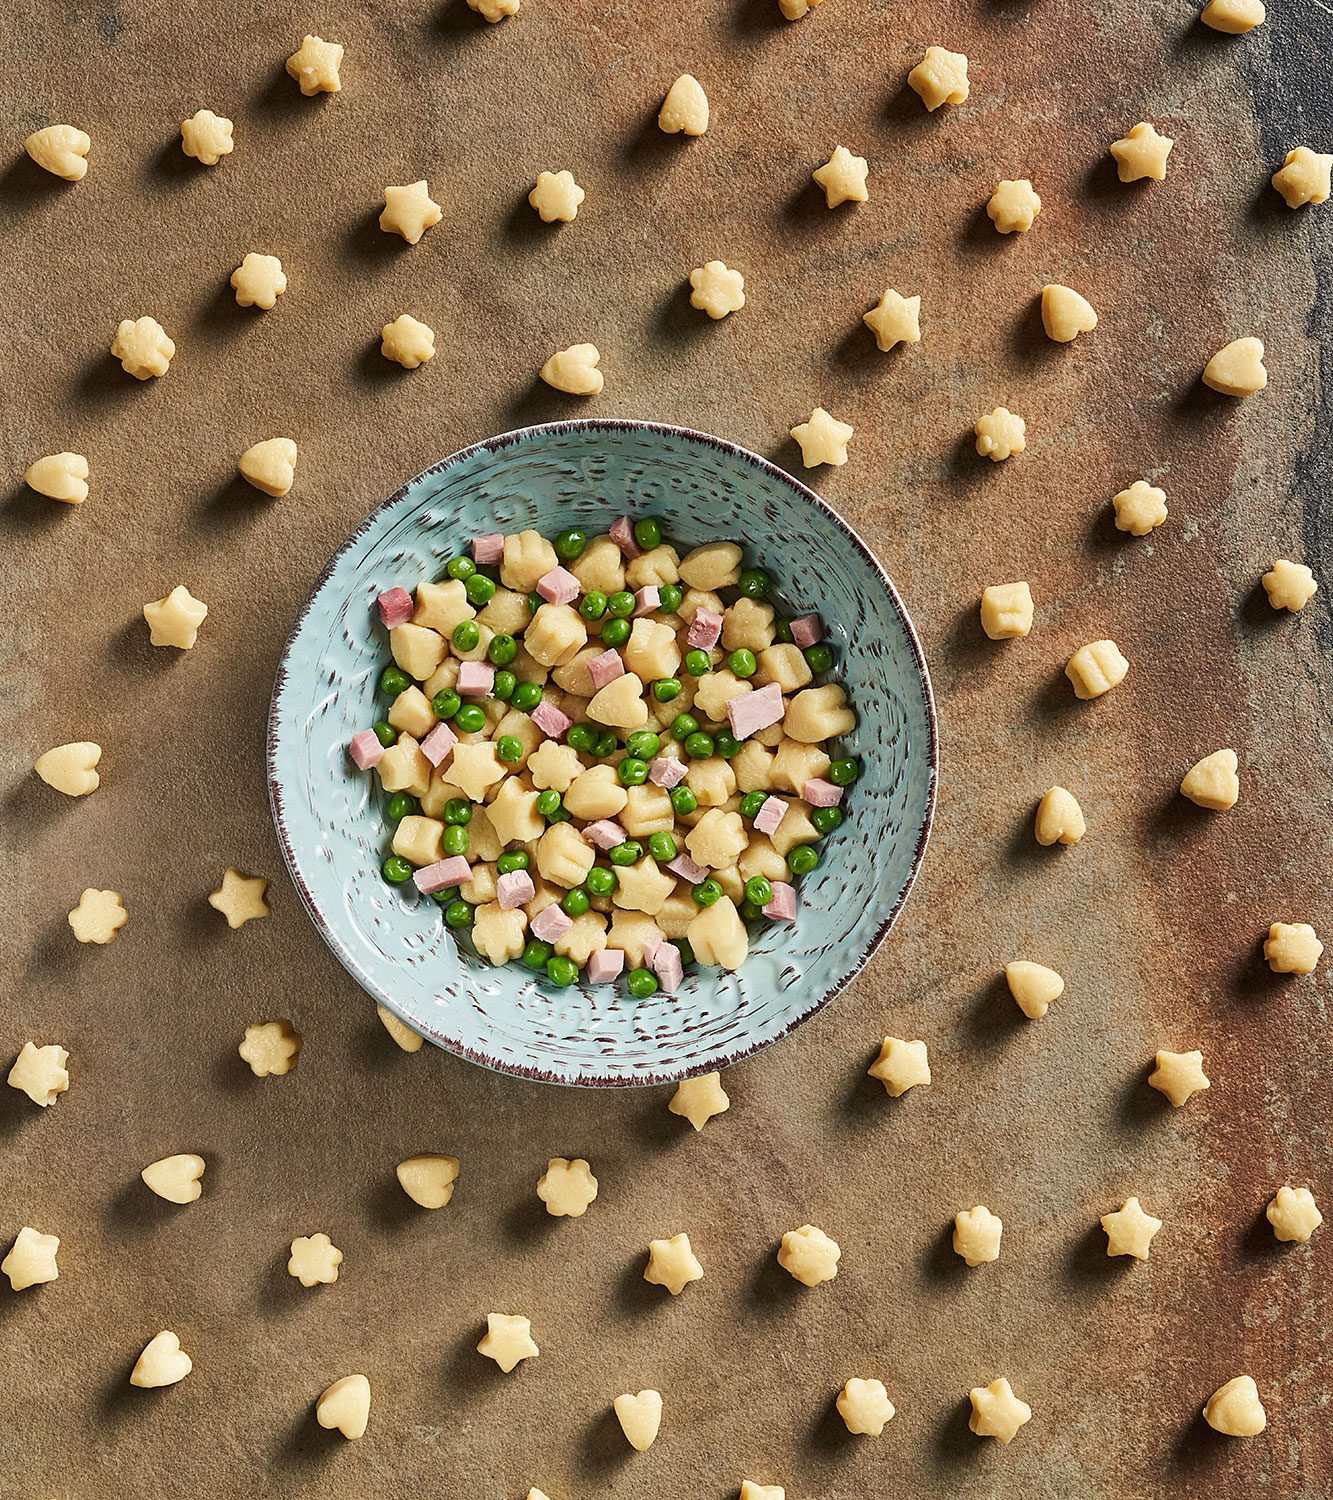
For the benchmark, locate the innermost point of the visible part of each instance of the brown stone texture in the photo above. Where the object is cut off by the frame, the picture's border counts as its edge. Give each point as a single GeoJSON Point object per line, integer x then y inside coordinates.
{"type": "Point", "coordinates": [1155, 920]}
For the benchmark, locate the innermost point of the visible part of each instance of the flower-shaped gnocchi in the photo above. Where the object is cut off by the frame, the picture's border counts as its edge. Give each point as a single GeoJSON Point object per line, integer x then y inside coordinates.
{"type": "Point", "coordinates": [408, 342]}
{"type": "Point", "coordinates": [143, 348]}
{"type": "Point", "coordinates": [716, 289]}
{"type": "Point", "coordinates": [207, 137]}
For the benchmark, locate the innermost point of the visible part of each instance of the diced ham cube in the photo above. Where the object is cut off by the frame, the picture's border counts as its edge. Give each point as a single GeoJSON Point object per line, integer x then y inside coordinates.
{"type": "Point", "coordinates": [668, 967]}
{"type": "Point", "coordinates": [646, 599]}
{"type": "Point", "coordinates": [622, 534]}
{"type": "Point", "coordinates": [514, 888]}
{"type": "Point", "coordinates": [807, 630]}
{"type": "Point", "coordinates": [705, 629]}
{"type": "Point", "coordinates": [604, 834]}
{"type": "Point", "coordinates": [475, 679]}
{"type": "Point", "coordinates": [782, 908]}
{"type": "Point", "coordinates": [550, 923]}
{"type": "Point", "coordinates": [365, 749]}
{"type": "Point", "coordinates": [651, 943]}
{"type": "Point", "coordinates": [396, 608]}
{"type": "Point", "coordinates": [559, 586]}
{"type": "Point", "coordinates": [605, 965]}
{"type": "Point", "coordinates": [605, 668]}
{"type": "Point", "coordinates": [820, 793]}
{"type": "Point", "coordinates": [666, 771]}
{"type": "Point", "coordinates": [439, 743]}
{"type": "Point", "coordinates": [548, 718]}
{"type": "Point", "coordinates": [686, 868]}
{"type": "Point", "coordinates": [488, 550]}
{"type": "Point", "coordinates": [770, 814]}
{"type": "Point", "coordinates": [751, 712]}
{"type": "Point", "coordinates": [442, 874]}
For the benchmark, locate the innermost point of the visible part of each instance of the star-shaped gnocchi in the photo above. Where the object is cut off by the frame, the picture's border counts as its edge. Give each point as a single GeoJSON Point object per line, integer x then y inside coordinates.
{"type": "Point", "coordinates": [314, 1260]}
{"type": "Point", "coordinates": [1179, 1075]}
{"type": "Point", "coordinates": [240, 898]}
{"type": "Point", "coordinates": [1142, 153]}
{"type": "Point", "coordinates": [475, 769]}
{"type": "Point", "coordinates": [508, 1340]}
{"type": "Point", "coordinates": [1304, 177]}
{"type": "Point", "coordinates": [98, 917]}
{"type": "Point", "coordinates": [143, 347]}
{"type": "Point", "coordinates": [259, 281]}
{"type": "Point", "coordinates": [843, 178]}
{"type": "Point", "coordinates": [175, 619]}
{"type": "Point", "coordinates": [699, 1099]}
{"type": "Point", "coordinates": [940, 78]}
{"type": "Point", "coordinates": [567, 1187]}
{"type": "Point", "coordinates": [315, 66]}
{"type": "Point", "coordinates": [1129, 1231]}
{"type": "Point", "coordinates": [40, 1073]}
{"type": "Point", "coordinates": [270, 1048]}
{"type": "Point", "coordinates": [823, 439]}
{"type": "Point", "coordinates": [557, 197]}
{"type": "Point", "coordinates": [901, 1065]}
{"type": "Point", "coordinates": [894, 319]}
{"type": "Point", "coordinates": [997, 1412]}
{"type": "Point", "coordinates": [31, 1260]}
{"type": "Point", "coordinates": [717, 289]}
{"type": "Point", "coordinates": [673, 1264]}
{"type": "Point", "coordinates": [410, 211]}
{"type": "Point", "coordinates": [207, 137]}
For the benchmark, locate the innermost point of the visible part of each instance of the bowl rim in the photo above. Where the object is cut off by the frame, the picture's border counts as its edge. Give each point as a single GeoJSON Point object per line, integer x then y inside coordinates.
{"type": "Point", "coordinates": [495, 444]}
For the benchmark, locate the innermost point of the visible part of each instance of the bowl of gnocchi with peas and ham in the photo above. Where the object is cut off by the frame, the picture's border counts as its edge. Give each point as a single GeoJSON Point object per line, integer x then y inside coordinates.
{"type": "Point", "coordinates": [603, 753]}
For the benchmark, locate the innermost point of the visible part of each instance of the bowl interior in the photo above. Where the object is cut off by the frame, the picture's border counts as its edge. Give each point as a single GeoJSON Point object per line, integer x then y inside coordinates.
{"type": "Point", "coordinates": [332, 831]}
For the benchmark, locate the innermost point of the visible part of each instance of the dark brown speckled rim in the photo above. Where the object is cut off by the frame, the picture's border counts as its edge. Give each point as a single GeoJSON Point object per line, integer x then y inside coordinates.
{"type": "Point", "coordinates": [595, 425]}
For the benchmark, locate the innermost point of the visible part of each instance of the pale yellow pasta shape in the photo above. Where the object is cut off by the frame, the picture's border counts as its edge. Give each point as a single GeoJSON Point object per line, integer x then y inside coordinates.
{"type": "Point", "coordinates": [677, 912]}
{"type": "Point", "coordinates": [555, 635]}
{"type": "Point", "coordinates": [761, 857]}
{"type": "Point", "coordinates": [717, 839]}
{"type": "Point", "coordinates": [716, 565]}
{"type": "Point", "coordinates": [712, 781]}
{"type": "Point", "coordinates": [554, 766]}
{"type": "Point", "coordinates": [747, 624]}
{"type": "Point", "coordinates": [497, 934]}
{"type": "Point", "coordinates": [572, 676]}
{"type": "Point", "coordinates": [564, 856]}
{"type": "Point", "coordinates": [657, 566]}
{"type": "Point", "coordinates": [630, 931]}
{"type": "Point", "coordinates": [444, 606]}
{"type": "Point", "coordinates": [507, 613]}
{"type": "Point", "coordinates": [404, 768]}
{"type": "Point", "coordinates": [483, 887]}
{"type": "Point", "coordinates": [411, 711]}
{"type": "Point", "coordinates": [718, 937]}
{"type": "Point", "coordinates": [417, 649]}
{"type": "Point", "coordinates": [601, 566]}
{"type": "Point", "coordinates": [716, 690]}
{"type": "Point", "coordinates": [752, 766]}
{"type": "Point", "coordinates": [418, 839]}
{"type": "Point", "coordinates": [651, 651]}
{"type": "Point", "coordinates": [528, 557]}
{"type": "Point", "coordinates": [586, 936]}
{"type": "Point", "coordinates": [620, 704]}
{"type": "Point", "coordinates": [513, 813]}
{"type": "Point", "coordinates": [784, 664]}
{"type": "Point", "coordinates": [641, 887]}
{"type": "Point", "coordinates": [647, 811]}
{"type": "Point", "coordinates": [818, 714]}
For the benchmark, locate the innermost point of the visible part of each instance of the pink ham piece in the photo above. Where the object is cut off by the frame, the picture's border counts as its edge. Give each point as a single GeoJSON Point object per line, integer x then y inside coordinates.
{"type": "Point", "coordinates": [807, 630]}
{"type": "Point", "coordinates": [396, 608]}
{"type": "Point", "coordinates": [686, 868]}
{"type": "Point", "coordinates": [488, 550]}
{"type": "Point", "coordinates": [752, 712]}
{"type": "Point", "coordinates": [442, 874]}
{"type": "Point", "coordinates": [782, 908]}
{"type": "Point", "coordinates": [475, 679]}
{"type": "Point", "coordinates": [646, 600]}
{"type": "Point", "coordinates": [559, 586]}
{"type": "Point", "coordinates": [666, 771]}
{"type": "Point", "coordinates": [604, 834]}
{"type": "Point", "coordinates": [605, 965]}
{"type": "Point", "coordinates": [651, 944]}
{"type": "Point", "coordinates": [668, 967]}
{"type": "Point", "coordinates": [548, 718]}
{"type": "Point", "coordinates": [820, 793]}
{"type": "Point", "coordinates": [770, 814]}
{"type": "Point", "coordinates": [705, 628]}
{"type": "Point", "coordinates": [438, 744]}
{"type": "Point", "coordinates": [514, 889]}
{"type": "Point", "coordinates": [605, 668]}
{"type": "Point", "coordinates": [365, 749]}
{"type": "Point", "coordinates": [622, 534]}
{"type": "Point", "coordinates": [550, 923]}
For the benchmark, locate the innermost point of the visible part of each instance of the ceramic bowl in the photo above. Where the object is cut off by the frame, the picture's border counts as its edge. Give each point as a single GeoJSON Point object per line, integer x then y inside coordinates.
{"type": "Point", "coordinates": [328, 814]}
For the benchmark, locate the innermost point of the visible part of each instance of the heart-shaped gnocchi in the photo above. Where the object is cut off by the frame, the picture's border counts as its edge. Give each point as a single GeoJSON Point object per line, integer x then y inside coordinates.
{"type": "Point", "coordinates": [163, 1362]}
{"type": "Point", "coordinates": [428, 1180]}
{"type": "Point", "coordinates": [345, 1406]}
{"type": "Point", "coordinates": [71, 768]}
{"type": "Point", "coordinates": [1059, 818]}
{"type": "Point", "coordinates": [270, 466]}
{"type": "Point", "coordinates": [59, 476]}
{"type": "Point", "coordinates": [1214, 781]}
{"type": "Point", "coordinates": [574, 370]}
{"type": "Point", "coordinates": [176, 1178]}
{"type": "Point", "coordinates": [61, 150]}
{"type": "Point", "coordinates": [639, 1416]}
{"type": "Point", "coordinates": [1065, 314]}
{"type": "Point", "coordinates": [1238, 369]}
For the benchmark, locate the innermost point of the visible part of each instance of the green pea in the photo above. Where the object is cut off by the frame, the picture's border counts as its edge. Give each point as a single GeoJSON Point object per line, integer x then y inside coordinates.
{"type": "Point", "coordinates": [726, 744]}
{"type": "Point", "coordinates": [759, 890]}
{"type": "Point", "coordinates": [480, 589]}
{"type": "Point", "coordinates": [698, 662]}
{"type": "Point", "coordinates": [662, 847]}
{"type": "Point", "coordinates": [502, 649]}
{"type": "Point", "coordinates": [535, 602]}
{"type": "Point", "coordinates": [455, 839]}
{"type": "Point", "coordinates": [458, 913]}
{"type": "Point", "coordinates": [802, 859]}
{"type": "Point", "coordinates": [754, 583]}
{"type": "Point", "coordinates": [648, 533]}
{"type": "Point", "coordinates": [570, 544]}
{"type": "Point", "coordinates": [685, 951]}
{"type": "Point", "coordinates": [607, 744]}
{"type": "Point", "coordinates": [526, 696]}
{"type": "Point", "coordinates": [401, 806]}
{"type": "Point", "coordinates": [560, 815]}
{"type": "Point", "coordinates": [386, 734]}
{"type": "Point", "coordinates": [782, 631]}
{"type": "Point", "coordinates": [749, 911]}
{"type": "Point", "coordinates": [601, 881]}
{"type": "Point", "coordinates": [666, 688]}
{"type": "Point", "coordinates": [742, 663]}
{"type": "Point", "coordinates": [751, 802]}
{"type": "Point", "coordinates": [669, 596]}
{"type": "Point", "coordinates": [683, 726]}
{"type": "Point", "coordinates": [562, 971]}
{"type": "Point", "coordinates": [844, 772]}
{"type": "Point", "coordinates": [644, 743]}
{"type": "Point", "coordinates": [471, 718]}
{"type": "Point", "coordinates": [699, 746]}
{"type": "Point", "coordinates": [461, 568]}
{"type": "Point", "coordinates": [826, 819]}
{"type": "Point", "coordinates": [593, 605]}
{"type": "Point", "coordinates": [467, 635]}
{"type": "Point", "coordinates": [581, 737]}
{"type": "Point", "coordinates": [706, 893]}
{"type": "Point", "coordinates": [536, 954]}
{"type": "Point", "coordinates": [628, 853]}
{"type": "Point", "coordinates": [683, 801]}
{"type": "Point", "coordinates": [576, 902]}
{"type": "Point", "coordinates": [510, 749]}
{"type": "Point", "coordinates": [446, 703]}
{"type": "Point", "coordinates": [513, 859]}
{"type": "Point", "coordinates": [505, 683]}
{"type": "Point", "coordinates": [615, 632]}
{"type": "Point", "coordinates": [819, 658]}
{"type": "Point", "coordinates": [396, 869]}
{"type": "Point", "coordinates": [642, 983]}
{"type": "Point", "coordinates": [632, 771]}
{"type": "Point", "coordinates": [393, 680]}
{"type": "Point", "coordinates": [621, 604]}
{"type": "Point", "coordinates": [458, 810]}
{"type": "Point", "coordinates": [549, 803]}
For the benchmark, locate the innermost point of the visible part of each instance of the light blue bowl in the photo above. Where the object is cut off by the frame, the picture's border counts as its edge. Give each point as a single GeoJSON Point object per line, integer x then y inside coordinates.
{"type": "Point", "coordinates": [397, 946]}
